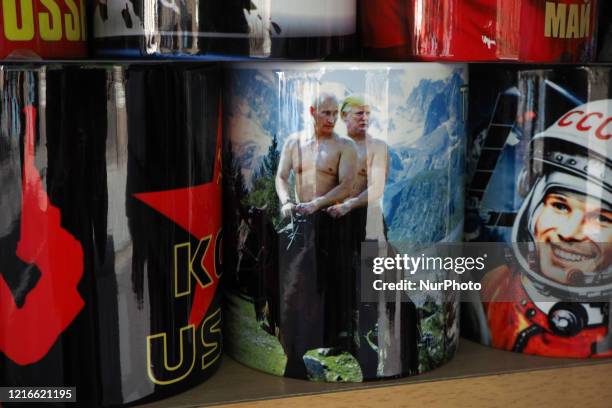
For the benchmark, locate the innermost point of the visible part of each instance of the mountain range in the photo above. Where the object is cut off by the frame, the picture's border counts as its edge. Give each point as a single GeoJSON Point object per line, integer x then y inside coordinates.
{"type": "Point", "coordinates": [423, 199]}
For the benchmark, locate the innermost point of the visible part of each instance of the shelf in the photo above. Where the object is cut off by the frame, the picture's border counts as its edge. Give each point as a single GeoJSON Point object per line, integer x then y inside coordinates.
{"type": "Point", "coordinates": [477, 377]}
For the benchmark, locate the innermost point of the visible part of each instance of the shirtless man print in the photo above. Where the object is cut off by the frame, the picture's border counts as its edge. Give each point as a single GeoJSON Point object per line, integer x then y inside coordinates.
{"type": "Point", "coordinates": [317, 247]}
{"type": "Point", "coordinates": [323, 163]}
{"type": "Point", "coordinates": [363, 211]}
{"type": "Point", "coordinates": [371, 169]}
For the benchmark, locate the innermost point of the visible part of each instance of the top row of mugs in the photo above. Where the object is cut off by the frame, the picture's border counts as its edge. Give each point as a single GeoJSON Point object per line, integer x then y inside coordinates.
{"type": "Point", "coordinates": [454, 30]}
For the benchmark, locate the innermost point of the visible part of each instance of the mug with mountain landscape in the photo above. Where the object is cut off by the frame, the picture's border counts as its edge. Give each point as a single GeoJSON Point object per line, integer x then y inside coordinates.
{"type": "Point", "coordinates": [319, 159]}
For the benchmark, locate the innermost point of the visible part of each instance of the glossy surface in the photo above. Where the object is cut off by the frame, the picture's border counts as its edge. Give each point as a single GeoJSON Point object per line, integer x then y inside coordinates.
{"type": "Point", "coordinates": [480, 30]}
{"type": "Point", "coordinates": [110, 229]}
{"type": "Point", "coordinates": [32, 29]}
{"type": "Point", "coordinates": [604, 43]}
{"type": "Point", "coordinates": [319, 159]}
{"type": "Point", "coordinates": [228, 29]}
{"type": "Point", "coordinates": [539, 173]}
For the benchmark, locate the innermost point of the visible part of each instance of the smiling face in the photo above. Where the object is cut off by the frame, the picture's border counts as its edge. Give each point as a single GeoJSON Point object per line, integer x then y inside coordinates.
{"type": "Point", "coordinates": [576, 232]}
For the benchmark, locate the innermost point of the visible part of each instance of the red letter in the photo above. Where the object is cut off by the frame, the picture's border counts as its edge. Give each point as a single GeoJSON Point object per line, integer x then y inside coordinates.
{"type": "Point", "coordinates": [599, 133]}
{"type": "Point", "coordinates": [580, 126]}
{"type": "Point", "coordinates": [564, 120]}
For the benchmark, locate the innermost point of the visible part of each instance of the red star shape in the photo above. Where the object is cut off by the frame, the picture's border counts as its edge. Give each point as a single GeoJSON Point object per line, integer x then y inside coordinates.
{"type": "Point", "coordinates": [198, 211]}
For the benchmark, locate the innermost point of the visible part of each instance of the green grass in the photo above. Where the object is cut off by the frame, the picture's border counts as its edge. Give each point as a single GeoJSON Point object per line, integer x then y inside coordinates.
{"type": "Point", "coordinates": [247, 342]}
{"type": "Point", "coordinates": [340, 368]}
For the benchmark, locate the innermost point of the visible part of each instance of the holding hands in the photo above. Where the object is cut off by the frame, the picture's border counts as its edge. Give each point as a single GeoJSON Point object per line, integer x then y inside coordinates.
{"type": "Point", "coordinates": [339, 210]}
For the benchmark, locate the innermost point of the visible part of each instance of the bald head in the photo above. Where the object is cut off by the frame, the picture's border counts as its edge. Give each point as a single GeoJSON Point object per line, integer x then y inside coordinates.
{"type": "Point", "coordinates": [323, 98]}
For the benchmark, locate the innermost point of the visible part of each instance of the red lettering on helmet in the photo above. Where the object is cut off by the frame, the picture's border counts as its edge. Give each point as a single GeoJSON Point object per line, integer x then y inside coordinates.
{"type": "Point", "coordinates": [599, 133]}
{"type": "Point", "coordinates": [564, 120]}
{"type": "Point", "coordinates": [581, 124]}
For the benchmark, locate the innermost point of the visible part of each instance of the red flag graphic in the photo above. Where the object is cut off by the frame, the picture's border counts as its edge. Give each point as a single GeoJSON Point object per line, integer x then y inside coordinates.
{"type": "Point", "coordinates": [28, 333]}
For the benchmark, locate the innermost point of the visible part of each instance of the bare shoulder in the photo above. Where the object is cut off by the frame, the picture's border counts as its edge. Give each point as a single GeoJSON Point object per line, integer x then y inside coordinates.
{"type": "Point", "coordinates": [345, 142]}
{"type": "Point", "coordinates": [377, 144]}
{"type": "Point", "coordinates": [291, 141]}
{"type": "Point", "coordinates": [377, 147]}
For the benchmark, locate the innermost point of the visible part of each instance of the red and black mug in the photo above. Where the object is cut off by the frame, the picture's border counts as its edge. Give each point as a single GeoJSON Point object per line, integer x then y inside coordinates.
{"type": "Point", "coordinates": [480, 30]}
{"type": "Point", "coordinates": [110, 230]}
{"type": "Point", "coordinates": [46, 29]}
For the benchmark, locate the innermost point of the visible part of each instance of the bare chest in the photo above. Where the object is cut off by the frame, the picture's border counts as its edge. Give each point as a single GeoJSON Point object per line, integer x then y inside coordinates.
{"type": "Point", "coordinates": [314, 158]}
{"type": "Point", "coordinates": [364, 159]}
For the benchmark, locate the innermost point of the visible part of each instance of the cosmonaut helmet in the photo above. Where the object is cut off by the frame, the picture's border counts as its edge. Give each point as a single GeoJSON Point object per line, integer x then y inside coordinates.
{"type": "Point", "coordinates": [573, 154]}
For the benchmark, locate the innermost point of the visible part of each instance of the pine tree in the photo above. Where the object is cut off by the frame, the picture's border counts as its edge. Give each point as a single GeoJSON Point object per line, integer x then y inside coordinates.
{"type": "Point", "coordinates": [270, 163]}
{"type": "Point", "coordinates": [263, 194]}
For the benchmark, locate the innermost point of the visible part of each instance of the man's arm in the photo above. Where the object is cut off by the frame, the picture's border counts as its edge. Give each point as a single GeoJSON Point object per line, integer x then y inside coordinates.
{"type": "Point", "coordinates": [377, 179]}
{"type": "Point", "coordinates": [346, 178]}
{"type": "Point", "coordinates": [282, 178]}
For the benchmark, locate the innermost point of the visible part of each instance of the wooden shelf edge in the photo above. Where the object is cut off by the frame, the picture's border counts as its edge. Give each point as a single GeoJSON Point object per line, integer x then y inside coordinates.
{"type": "Point", "coordinates": [478, 376]}
{"type": "Point", "coordinates": [583, 386]}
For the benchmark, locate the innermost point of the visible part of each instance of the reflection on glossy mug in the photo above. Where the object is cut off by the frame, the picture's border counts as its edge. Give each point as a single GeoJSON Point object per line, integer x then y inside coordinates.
{"type": "Point", "coordinates": [107, 276]}
{"type": "Point", "coordinates": [319, 159]}
{"type": "Point", "coordinates": [542, 177]}
{"type": "Point", "coordinates": [32, 29]}
{"type": "Point", "coordinates": [604, 41]}
{"type": "Point", "coordinates": [225, 29]}
{"type": "Point", "coordinates": [481, 30]}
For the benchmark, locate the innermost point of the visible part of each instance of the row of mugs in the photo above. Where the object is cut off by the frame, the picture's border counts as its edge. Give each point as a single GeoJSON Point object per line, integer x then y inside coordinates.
{"type": "Point", "coordinates": [132, 191]}
{"type": "Point", "coordinates": [453, 30]}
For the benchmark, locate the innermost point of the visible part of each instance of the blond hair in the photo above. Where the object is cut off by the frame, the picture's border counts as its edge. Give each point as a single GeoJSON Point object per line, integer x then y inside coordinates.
{"type": "Point", "coordinates": [352, 101]}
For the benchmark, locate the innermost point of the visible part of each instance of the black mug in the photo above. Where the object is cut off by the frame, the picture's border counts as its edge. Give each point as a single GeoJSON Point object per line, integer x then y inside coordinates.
{"type": "Point", "coordinates": [110, 229]}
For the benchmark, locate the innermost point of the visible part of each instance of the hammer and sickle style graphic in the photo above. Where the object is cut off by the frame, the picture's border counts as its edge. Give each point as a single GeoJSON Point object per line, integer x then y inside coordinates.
{"type": "Point", "coordinates": [27, 333]}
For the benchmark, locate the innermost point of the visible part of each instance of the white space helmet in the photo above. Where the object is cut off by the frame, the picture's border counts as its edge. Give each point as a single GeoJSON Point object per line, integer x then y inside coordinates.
{"type": "Point", "coordinates": [574, 155]}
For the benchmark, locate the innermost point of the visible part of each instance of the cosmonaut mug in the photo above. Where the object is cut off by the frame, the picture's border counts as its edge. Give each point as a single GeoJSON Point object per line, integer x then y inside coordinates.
{"type": "Point", "coordinates": [540, 184]}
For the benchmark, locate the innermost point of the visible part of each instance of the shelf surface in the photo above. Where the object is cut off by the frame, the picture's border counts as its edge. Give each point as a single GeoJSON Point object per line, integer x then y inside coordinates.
{"type": "Point", "coordinates": [476, 372]}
